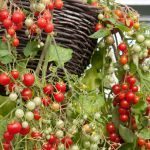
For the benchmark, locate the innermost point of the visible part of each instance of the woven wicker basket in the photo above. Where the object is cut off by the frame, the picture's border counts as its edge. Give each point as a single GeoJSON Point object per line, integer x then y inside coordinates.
{"type": "Point", "coordinates": [73, 25]}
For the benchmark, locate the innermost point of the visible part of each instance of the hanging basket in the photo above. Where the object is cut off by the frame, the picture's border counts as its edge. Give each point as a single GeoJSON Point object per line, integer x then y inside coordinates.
{"type": "Point", "coordinates": [73, 25]}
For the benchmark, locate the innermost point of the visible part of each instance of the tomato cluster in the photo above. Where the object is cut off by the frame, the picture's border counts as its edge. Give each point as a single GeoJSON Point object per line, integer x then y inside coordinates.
{"type": "Point", "coordinates": [23, 87]}
{"type": "Point", "coordinates": [41, 20]}
{"type": "Point", "coordinates": [12, 23]}
{"type": "Point", "coordinates": [143, 143]}
{"type": "Point", "coordinates": [125, 97]}
{"type": "Point", "coordinates": [113, 135]}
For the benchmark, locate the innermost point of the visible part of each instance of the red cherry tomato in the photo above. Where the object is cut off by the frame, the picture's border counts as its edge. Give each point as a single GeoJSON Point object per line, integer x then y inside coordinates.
{"type": "Point", "coordinates": [11, 32]}
{"type": "Point", "coordinates": [122, 111]}
{"type": "Point", "coordinates": [16, 42]}
{"type": "Point", "coordinates": [46, 101]}
{"type": "Point", "coordinates": [61, 87]}
{"type": "Point", "coordinates": [6, 146]}
{"type": "Point", "coordinates": [28, 79]}
{"type": "Point", "coordinates": [58, 4]}
{"type": "Point", "coordinates": [119, 13]}
{"type": "Point", "coordinates": [134, 88]}
{"type": "Point", "coordinates": [8, 137]}
{"type": "Point", "coordinates": [7, 23]}
{"type": "Point", "coordinates": [136, 99]}
{"type": "Point", "coordinates": [59, 97]}
{"type": "Point", "coordinates": [98, 26]}
{"type": "Point", "coordinates": [113, 137]}
{"type": "Point", "coordinates": [48, 89]}
{"type": "Point", "coordinates": [47, 15]}
{"type": "Point", "coordinates": [25, 131]}
{"type": "Point", "coordinates": [53, 139]}
{"type": "Point", "coordinates": [132, 80]}
{"type": "Point", "coordinates": [41, 23]}
{"type": "Point", "coordinates": [27, 94]}
{"type": "Point", "coordinates": [141, 142]}
{"type": "Point", "coordinates": [67, 141]}
{"type": "Point", "coordinates": [3, 14]}
{"type": "Point", "coordinates": [50, 6]}
{"type": "Point", "coordinates": [110, 127]}
{"type": "Point", "coordinates": [124, 118]}
{"type": "Point", "coordinates": [17, 17]}
{"type": "Point", "coordinates": [15, 74]}
{"type": "Point", "coordinates": [124, 104]}
{"type": "Point", "coordinates": [14, 128]}
{"type": "Point", "coordinates": [130, 96]}
{"type": "Point", "coordinates": [36, 135]}
{"type": "Point", "coordinates": [122, 95]}
{"type": "Point", "coordinates": [37, 115]}
{"type": "Point", "coordinates": [49, 28]}
{"type": "Point", "coordinates": [4, 79]}
{"type": "Point", "coordinates": [116, 89]}
{"type": "Point", "coordinates": [122, 47]}
{"type": "Point", "coordinates": [124, 86]}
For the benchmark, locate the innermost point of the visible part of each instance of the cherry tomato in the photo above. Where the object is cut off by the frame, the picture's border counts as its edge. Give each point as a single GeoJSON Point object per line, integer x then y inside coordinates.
{"type": "Point", "coordinates": [46, 146]}
{"type": "Point", "coordinates": [27, 94]}
{"type": "Point", "coordinates": [124, 118]}
{"type": "Point", "coordinates": [134, 88]}
{"type": "Point", "coordinates": [116, 89]}
{"type": "Point", "coordinates": [6, 146]}
{"type": "Point", "coordinates": [121, 95]}
{"type": "Point", "coordinates": [118, 13]}
{"type": "Point", "coordinates": [124, 86]}
{"type": "Point", "coordinates": [11, 32]}
{"type": "Point", "coordinates": [132, 80]}
{"type": "Point", "coordinates": [7, 23]}
{"type": "Point", "coordinates": [36, 135]}
{"type": "Point", "coordinates": [28, 79]}
{"type": "Point", "coordinates": [122, 111]}
{"type": "Point", "coordinates": [25, 131]}
{"type": "Point", "coordinates": [49, 28]}
{"type": "Point", "coordinates": [37, 115]}
{"type": "Point", "coordinates": [129, 23]}
{"type": "Point", "coordinates": [110, 127]}
{"type": "Point", "coordinates": [124, 104]}
{"type": "Point", "coordinates": [147, 145]}
{"type": "Point", "coordinates": [59, 97]}
{"type": "Point", "coordinates": [136, 99]}
{"type": "Point", "coordinates": [53, 139]}
{"type": "Point", "coordinates": [3, 14]}
{"type": "Point", "coordinates": [17, 17]}
{"type": "Point", "coordinates": [130, 96]}
{"type": "Point", "coordinates": [4, 79]}
{"type": "Point", "coordinates": [11, 86]}
{"type": "Point", "coordinates": [48, 89]}
{"type": "Point", "coordinates": [136, 26]}
{"type": "Point", "coordinates": [122, 47]}
{"type": "Point", "coordinates": [67, 141]}
{"type": "Point", "coordinates": [46, 101]}
{"type": "Point", "coordinates": [51, 6]}
{"type": "Point", "coordinates": [16, 42]}
{"type": "Point", "coordinates": [47, 15]}
{"type": "Point", "coordinates": [61, 87]}
{"type": "Point", "coordinates": [141, 142]}
{"type": "Point", "coordinates": [98, 26]}
{"type": "Point", "coordinates": [15, 74]}
{"type": "Point", "coordinates": [123, 60]}
{"type": "Point", "coordinates": [8, 137]}
{"type": "Point", "coordinates": [14, 128]}
{"type": "Point", "coordinates": [58, 4]}
{"type": "Point", "coordinates": [41, 22]}
{"type": "Point", "coordinates": [113, 137]}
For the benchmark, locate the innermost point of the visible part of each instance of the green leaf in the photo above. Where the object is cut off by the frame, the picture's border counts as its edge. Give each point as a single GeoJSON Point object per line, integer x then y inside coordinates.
{"type": "Point", "coordinates": [3, 45]}
{"type": "Point", "coordinates": [4, 53]}
{"type": "Point", "coordinates": [6, 59]}
{"type": "Point", "coordinates": [31, 49]}
{"type": "Point", "coordinates": [139, 107]}
{"type": "Point", "coordinates": [122, 27]}
{"type": "Point", "coordinates": [126, 134]}
{"type": "Point", "coordinates": [145, 133]}
{"type": "Point", "coordinates": [3, 125]}
{"type": "Point", "coordinates": [100, 34]}
{"type": "Point", "coordinates": [128, 146]}
{"type": "Point", "coordinates": [90, 103]}
{"type": "Point", "coordinates": [115, 118]}
{"type": "Point", "coordinates": [59, 55]}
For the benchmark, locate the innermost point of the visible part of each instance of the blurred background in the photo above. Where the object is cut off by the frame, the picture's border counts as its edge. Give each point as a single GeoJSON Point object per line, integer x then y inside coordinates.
{"type": "Point", "coordinates": [142, 6]}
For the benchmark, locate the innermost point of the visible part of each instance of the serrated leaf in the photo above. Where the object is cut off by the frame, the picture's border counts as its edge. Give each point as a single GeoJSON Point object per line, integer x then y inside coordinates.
{"type": "Point", "coordinates": [31, 49]}
{"type": "Point", "coordinates": [100, 34]}
{"type": "Point", "coordinates": [122, 27]}
{"type": "Point", "coordinates": [139, 107]}
{"type": "Point", "coordinates": [59, 55]}
{"type": "Point", "coordinates": [145, 133]}
{"type": "Point", "coordinates": [90, 104]}
{"type": "Point", "coordinates": [126, 134]}
{"type": "Point", "coordinates": [6, 59]}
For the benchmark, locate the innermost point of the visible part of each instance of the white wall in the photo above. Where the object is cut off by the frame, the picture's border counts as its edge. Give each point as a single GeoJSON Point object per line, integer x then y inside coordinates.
{"type": "Point", "coordinates": [134, 2]}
